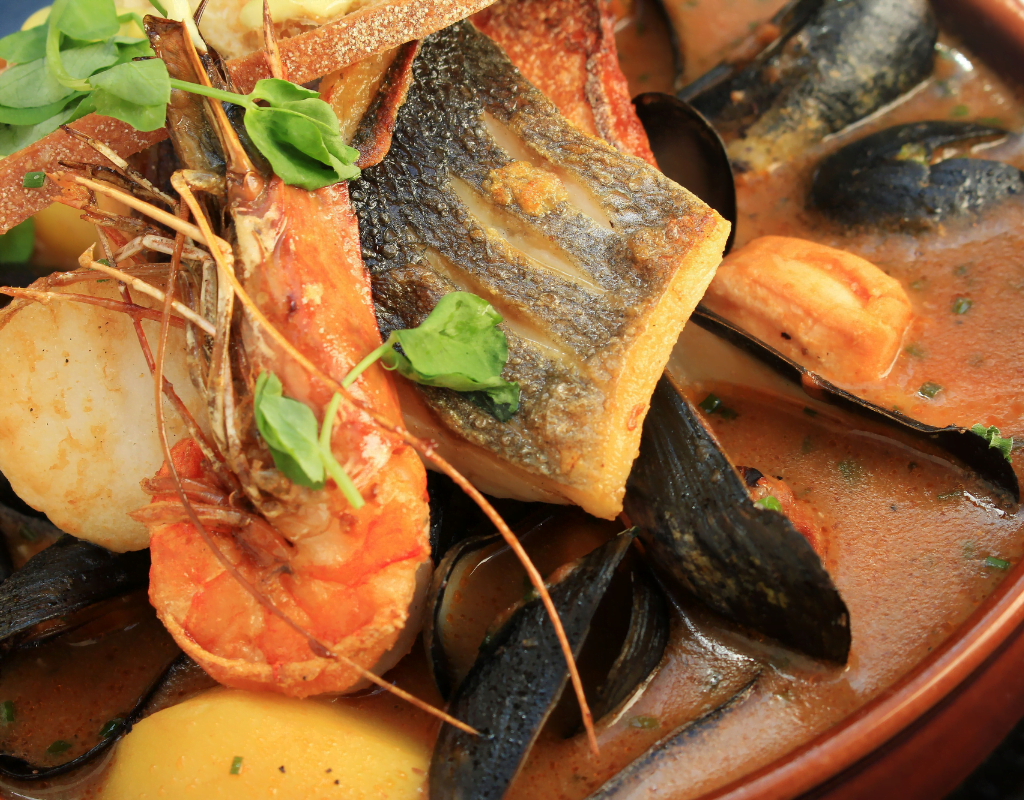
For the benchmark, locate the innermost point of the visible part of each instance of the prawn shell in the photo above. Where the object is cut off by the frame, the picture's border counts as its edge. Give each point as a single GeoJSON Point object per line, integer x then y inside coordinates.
{"type": "Point", "coordinates": [516, 682]}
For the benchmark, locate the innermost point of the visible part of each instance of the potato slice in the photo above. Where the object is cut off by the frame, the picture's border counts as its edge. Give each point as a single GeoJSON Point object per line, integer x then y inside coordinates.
{"type": "Point", "coordinates": [829, 310]}
{"type": "Point", "coordinates": [289, 749]}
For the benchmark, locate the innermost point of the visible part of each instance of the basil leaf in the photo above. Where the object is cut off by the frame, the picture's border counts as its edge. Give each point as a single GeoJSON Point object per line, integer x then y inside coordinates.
{"type": "Point", "coordinates": [24, 46]}
{"type": "Point", "coordinates": [16, 245]}
{"type": "Point", "coordinates": [85, 19]}
{"type": "Point", "coordinates": [136, 92]}
{"type": "Point", "coordinates": [290, 430]}
{"type": "Point", "coordinates": [458, 346]}
{"type": "Point", "coordinates": [299, 135]}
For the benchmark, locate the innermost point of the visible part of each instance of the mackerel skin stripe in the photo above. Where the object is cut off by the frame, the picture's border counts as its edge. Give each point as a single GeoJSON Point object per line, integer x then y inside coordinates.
{"type": "Point", "coordinates": [594, 259]}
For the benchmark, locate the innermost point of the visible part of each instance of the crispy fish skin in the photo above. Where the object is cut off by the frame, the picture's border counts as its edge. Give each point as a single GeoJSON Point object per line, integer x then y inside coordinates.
{"type": "Point", "coordinates": [566, 48]}
{"type": "Point", "coordinates": [594, 259]}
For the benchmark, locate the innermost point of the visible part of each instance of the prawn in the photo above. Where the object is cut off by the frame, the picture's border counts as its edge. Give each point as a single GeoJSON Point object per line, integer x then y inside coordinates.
{"type": "Point", "coordinates": [352, 579]}
{"type": "Point", "coordinates": [266, 584]}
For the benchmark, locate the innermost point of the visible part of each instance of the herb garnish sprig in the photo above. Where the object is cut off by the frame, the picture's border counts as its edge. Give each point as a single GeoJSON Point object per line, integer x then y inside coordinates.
{"type": "Point", "coordinates": [77, 63]}
{"type": "Point", "coordinates": [458, 346]}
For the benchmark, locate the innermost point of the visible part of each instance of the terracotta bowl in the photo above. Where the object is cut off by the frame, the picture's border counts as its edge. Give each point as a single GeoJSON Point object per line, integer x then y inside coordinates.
{"type": "Point", "coordinates": [929, 731]}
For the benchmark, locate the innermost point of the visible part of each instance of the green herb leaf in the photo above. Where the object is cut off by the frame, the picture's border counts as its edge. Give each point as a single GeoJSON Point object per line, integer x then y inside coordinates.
{"type": "Point", "coordinates": [458, 346]}
{"type": "Point", "coordinates": [770, 503]}
{"type": "Point", "coordinates": [929, 390]}
{"type": "Point", "coordinates": [956, 494]}
{"type": "Point", "coordinates": [24, 46]}
{"type": "Point", "coordinates": [108, 730]}
{"type": "Point", "coordinates": [58, 747]}
{"type": "Point", "coordinates": [290, 430]}
{"type": "Point", "coordinates": [997, 563]}
{"type": "Point", "coordinates": [34, 180]}
{"type": "Point", "coordinates": [136, 92]}
{"type": "Point", "coordinates": [959, 111]}
{"type": "Point", "coordinates": [236, 765]}
{"type": "Point", "coordinates": [962, 305]}
{"type": "Point", "coordinates": [991, 435]}
{"type": "Point", "coordinates": [16, 245]}
{"type": "Point", "coordinates": [299, 135]}
{"type": "Point", "coordinates": [710, 403]}
{"type": "Point", "coordinates": [7, 713]}
{"type": "Point", "coordinates": [645, 723]}
{"type": "Point", "coordinates": [85, 19]}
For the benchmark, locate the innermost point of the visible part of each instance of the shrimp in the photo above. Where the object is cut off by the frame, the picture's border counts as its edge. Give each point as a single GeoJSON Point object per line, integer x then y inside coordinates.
{"type": "Point", "coordinates": [289, 565]}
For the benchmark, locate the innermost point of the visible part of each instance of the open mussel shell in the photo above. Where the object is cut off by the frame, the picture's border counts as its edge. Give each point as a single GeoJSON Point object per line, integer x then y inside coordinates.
{"type": "Point", "coordinates": [517, 680]}
{"type": "Point", "coordinates": [689, 151]}
{"type": "Point", "coordinates": [82, 652]}
{"type": "Point", "coordinates": [701, 528]}
{"type": "Point", "coordinates": [890, 178]}
{"type": "Point", "coordinates": [971, 449]}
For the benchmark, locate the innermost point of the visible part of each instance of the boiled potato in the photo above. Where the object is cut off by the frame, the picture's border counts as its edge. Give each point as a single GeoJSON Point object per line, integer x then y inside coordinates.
{"type": "Point", "coordinates": [288, 749]}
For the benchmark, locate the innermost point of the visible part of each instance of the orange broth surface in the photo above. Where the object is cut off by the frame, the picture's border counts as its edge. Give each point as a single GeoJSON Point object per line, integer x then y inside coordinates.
{"type": "Point", "coordinates": [910, 537]}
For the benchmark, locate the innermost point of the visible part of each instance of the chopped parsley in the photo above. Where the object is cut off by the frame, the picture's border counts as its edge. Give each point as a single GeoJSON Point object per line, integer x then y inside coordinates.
{"type": "Point", "coordinates": [769, 503]}
{"type": "Point", "coordinates": [236, 765]}
{"type": "Point", "coordinates": [58, 747]}
{"type": "Point", "coordinates": [929, 390]}
{"type": "Point", "coordinates": [645, 723]}
{"type": "Point", "coordinates": [7, 713]}
{"type": "Point", "coordinates": [34, 180]}
{"type": "Point", "coordinates": [996, 563]}
{"type": "Point", "coordinates": [962, 305]}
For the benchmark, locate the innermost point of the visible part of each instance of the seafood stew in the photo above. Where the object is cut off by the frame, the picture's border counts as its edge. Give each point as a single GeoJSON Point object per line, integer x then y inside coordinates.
{"type": "Point", "coordinates": [404, 429]}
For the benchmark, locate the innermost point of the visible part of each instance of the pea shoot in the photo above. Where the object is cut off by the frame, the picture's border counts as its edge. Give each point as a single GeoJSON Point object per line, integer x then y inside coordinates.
{"type": "Point", "coordinates": [1004, 444]}
{"type": "Point", "coordinates": [78, 62]}
{"type": "Point", "coordinates": [458, 346]}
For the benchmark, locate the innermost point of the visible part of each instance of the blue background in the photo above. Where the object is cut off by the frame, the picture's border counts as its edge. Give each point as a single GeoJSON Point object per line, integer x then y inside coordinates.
{"type": "Point", "coordinates": [14, 12]}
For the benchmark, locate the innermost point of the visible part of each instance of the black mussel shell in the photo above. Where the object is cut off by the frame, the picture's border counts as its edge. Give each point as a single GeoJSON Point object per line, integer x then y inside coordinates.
{"type": "Point", "coordinates": [516, 681]}
{"type": "Point", "coordinates": [835, 62]}
{"type": "Point", "coordinates": [454, 516]}
{"type": "Point", "coordinates": [630, 778]}
{"type": "Point", "coordinates": [702, 530]}
{"type": "Point", "coordinates": [690, 152]}
{"type": "Point", "coordinates": [973, 450]}
{"type": "Point", "coordinates": [888, 179]}
{"type": "Point", "coordinates": [643, 646]}
{"type": "Point", "coordinates": [64, 578]}
{"type": "Point", "coordinates": [70, 590]}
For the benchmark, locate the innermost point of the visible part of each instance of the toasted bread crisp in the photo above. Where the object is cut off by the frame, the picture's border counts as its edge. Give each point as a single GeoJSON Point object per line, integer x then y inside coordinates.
{"type": "Point", "coordinates": [594, 259]}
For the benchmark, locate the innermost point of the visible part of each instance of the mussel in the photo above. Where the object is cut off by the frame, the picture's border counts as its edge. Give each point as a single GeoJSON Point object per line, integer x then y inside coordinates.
{"type": "Point", "coordinates": [81, 652]}
{"type": "Point", "coordinates": [701, 527]}
{"type": "Point", "coordinates": [971, 449]}
{"type": "Point", "coordinates": [512, 687]}
{"type": "Point", "coordinates": [689, 151]}
{"type": "Point", "coordinates": [898, 177]}
{"type": "Point", "coordinates": [833, 63]}
{"type": "Point", "coordinates": [479, 579]}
